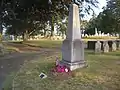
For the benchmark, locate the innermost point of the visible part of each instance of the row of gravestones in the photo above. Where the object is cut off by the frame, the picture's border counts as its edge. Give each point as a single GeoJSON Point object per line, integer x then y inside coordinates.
{"type": "Point", "coordinates": [104, 46]}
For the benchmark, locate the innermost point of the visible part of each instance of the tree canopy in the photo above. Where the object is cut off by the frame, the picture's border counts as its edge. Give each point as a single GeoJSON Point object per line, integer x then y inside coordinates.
{"type": "Point", "coordinates": [21, 16]}
{"type": "Point", "coordinates": [107, 21]}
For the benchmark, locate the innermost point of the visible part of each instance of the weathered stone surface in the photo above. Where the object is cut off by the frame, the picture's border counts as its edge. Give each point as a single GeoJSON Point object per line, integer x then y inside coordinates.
{"type": "Point", "coordinates": [98, 47]}
{"type": "Point", "coordinates": [73, 46]}
{"type": "Point", "coordinates": [73, 54]}
{"type": "Point", "coordinates": [73, 31]}
{"type": "Point", "coordinates": [105, 46]}
{"type": "Point", "coordinates": [114, 46]}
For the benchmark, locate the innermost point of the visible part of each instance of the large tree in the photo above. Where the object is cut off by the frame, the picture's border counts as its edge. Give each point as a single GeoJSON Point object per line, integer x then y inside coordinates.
{"type": "Point", "coordinates": [21, 16]}
{"type": "Point", "coordinates": [107, 21]}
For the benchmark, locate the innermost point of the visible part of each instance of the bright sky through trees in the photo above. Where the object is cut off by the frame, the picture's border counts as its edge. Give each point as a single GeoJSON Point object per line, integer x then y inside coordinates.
{"type": "Point", "coordinates": [101, 4]}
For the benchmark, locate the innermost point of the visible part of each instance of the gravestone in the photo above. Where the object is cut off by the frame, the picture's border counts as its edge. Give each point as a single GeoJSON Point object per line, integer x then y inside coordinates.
{"type": "Point", "coordinates": [98, 47]}
{"type": "Point", "coordinates": [73, 46]}
{"type": "Point", "coordinates": [103, 34]}
{"type": "Point", "coordinates": [108, 34]}
{"type": "Point", "coordinates": [96, 32]}
{"type": "Point", "coordinates": [105, 46]}
{"type": "Point", "coordinates": [114, 46]}
{"type": "Point", "coordinates": [99, 33]}
{"type": "Point", "coordinates": [86, 35]}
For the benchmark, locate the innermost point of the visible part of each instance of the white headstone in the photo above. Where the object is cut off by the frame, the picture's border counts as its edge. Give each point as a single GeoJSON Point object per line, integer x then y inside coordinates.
{"type": "Point", "coordinates": [82, 35]}
{"type": "Point", "coordinates": [98, 46]}
{"type": "Point", "coordinates": [114, 46]}
{"type": "Point", "coordinates": [105, 46]}
{"type": "Point", "coordinates": [96, 32]}
{"type": "Point", "coordinates": [73, 46]}
{"type": "Point", "coordinates": [99, 33]}
{"type": "Point", "coordinates": [86, 35]}
{"type": "Point", "coordinates": [103, 34]}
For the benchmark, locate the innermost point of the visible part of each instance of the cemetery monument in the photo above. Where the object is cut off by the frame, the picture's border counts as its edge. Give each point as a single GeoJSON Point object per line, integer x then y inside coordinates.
{"type": "Point", "coordinates": [73, 46]}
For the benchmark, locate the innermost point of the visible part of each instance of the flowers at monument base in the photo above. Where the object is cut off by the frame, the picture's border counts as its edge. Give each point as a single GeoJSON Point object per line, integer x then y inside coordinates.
{"type": "Point", "coordinates": [60, 68]}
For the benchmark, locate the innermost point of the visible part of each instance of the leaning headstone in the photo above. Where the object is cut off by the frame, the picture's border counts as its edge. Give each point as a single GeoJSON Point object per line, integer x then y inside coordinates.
{"type": "Point", "coordinates": [73, 46]}
{"type": "Point", "coordinates": [105, 46]}
{"type": "Point", "coordinates": [114, 46]}
{"type": "Point", "coordinates": [98, 47]}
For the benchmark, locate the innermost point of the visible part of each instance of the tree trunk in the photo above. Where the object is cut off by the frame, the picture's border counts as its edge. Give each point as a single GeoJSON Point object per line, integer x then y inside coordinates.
{"type": "Point", "coordinates": [44, 31]}
{"type": "Point", "coordinates": [52, 27]}
{"type": "Point", "coordinates": [52, 30]}
{"type": "Point", "coordinates": [25, 35]}
{"type": "Point", "coordinates": [119, 35]}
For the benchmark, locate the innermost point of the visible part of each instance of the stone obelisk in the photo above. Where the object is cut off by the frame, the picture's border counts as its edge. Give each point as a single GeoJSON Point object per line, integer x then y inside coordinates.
{"type": "Point", "coordinates": [73, 46]}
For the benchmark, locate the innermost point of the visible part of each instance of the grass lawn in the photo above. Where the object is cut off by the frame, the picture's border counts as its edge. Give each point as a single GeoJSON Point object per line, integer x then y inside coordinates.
{"type": "Point", "coordinates": [7, 49]}
{"type": "Point", "coordinates": [102, 73]}
{"type": "Point", "coordinates": [44, 43]}
{"type": "Point", "coordinates": [54, 43]}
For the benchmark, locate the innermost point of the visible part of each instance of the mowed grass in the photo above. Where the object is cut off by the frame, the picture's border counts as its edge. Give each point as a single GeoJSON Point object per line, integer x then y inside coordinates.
{"type": "Point", "coordinates": [102, 73]}
{"type": "Point", "coordinates": [44, 43]}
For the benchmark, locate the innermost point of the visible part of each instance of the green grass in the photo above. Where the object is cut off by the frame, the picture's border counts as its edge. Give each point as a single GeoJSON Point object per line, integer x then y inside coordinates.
{"type": "Point", "coordinates": [7, 85]}
{"type": "Point", "coordinates": [44, 43]}
{"type": "Point", "coordinates": [8, 49]}
{"type": "Point", "coordinates": [56, 43]}
{"type": "Point", "coordinates": [102, 73]}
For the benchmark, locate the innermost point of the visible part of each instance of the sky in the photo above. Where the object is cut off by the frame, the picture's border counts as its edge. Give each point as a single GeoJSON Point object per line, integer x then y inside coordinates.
{"type": "Point", "coordinates": [101, 4]}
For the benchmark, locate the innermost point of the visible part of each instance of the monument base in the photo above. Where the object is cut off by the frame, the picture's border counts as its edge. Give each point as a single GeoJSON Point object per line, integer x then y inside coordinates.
{"type": "Point", "coordinates": [74, 65]}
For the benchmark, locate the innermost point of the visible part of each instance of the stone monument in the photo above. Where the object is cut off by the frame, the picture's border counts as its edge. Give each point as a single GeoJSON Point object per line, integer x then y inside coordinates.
{"type": "Point", "coordinates": [73, 46]}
